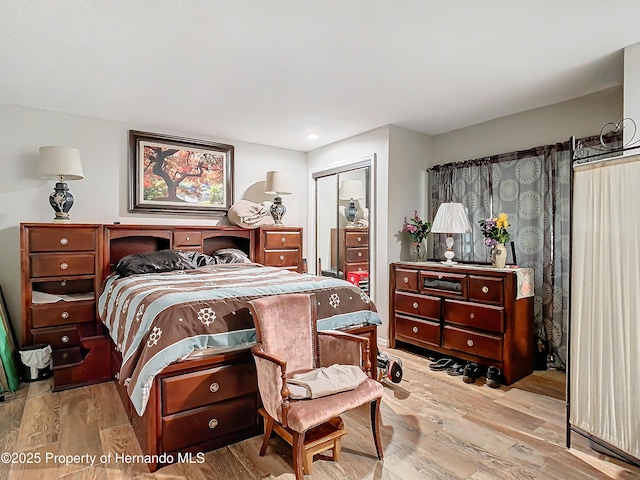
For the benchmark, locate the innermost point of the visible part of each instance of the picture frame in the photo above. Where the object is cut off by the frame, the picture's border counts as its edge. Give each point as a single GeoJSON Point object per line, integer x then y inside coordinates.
{"type": "Point", "coordinates": [170, 174]}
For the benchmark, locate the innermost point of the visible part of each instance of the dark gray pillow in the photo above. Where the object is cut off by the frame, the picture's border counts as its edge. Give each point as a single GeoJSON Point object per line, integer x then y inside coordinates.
{"type": "Point", "coordinates": [231, 255]}
{"type": "Point", "coordinates": [153, 262]}
{"type": "Point", "coordinates": [200, 259]}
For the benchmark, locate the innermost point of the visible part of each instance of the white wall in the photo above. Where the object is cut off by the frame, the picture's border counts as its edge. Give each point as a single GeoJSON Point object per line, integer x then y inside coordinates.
{"type": "Point", "coordinates": [581, 117]}
{"type": "Point", "coordinates": [101, 197]}
{"type": "Point", "coordinates": [351, 150]}
{"type": "Point", "coordinates": [631, 89]}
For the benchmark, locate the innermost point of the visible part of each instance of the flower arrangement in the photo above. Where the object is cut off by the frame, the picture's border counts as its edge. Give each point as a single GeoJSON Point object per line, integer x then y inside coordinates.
{"type": "Point", "coordinates": [417, 228]}
{"type": "Point", "coordinates": [495, 230]}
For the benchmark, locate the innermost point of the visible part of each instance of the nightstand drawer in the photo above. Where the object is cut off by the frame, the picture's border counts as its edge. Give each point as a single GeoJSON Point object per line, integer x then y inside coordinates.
{"type": "Point", "coordinates": [57, 337]}
{"type": "Point", "coordinates": [475, 343]}
{"type": "Point", "coordinates": [357, 254]}
{"type": "Point", "coordinates": [407, 280]}
{"type": "Point", "coordinates": [482, 317]}
{"type": "Point", "coordinates": [283, 239]}
{"type": "Point", "coordinates": [61, 239]}
{"type": "Point", "coordinates": [207, 423]}
{"type": "Point", "coordinates": [418, 305]}
{"type": "Point", "coordinates": [414, 330]}
{"type": "Point", "coordinates": [191, 390]}
{"type": "Point", "coordinates": [356, 239]}
{"type": "Point", "coordinates": [282, 258]}
{"type": "Point", "coordinates": [61, 313]}
{"type": "Point", "coordinates": [187, 239]}
{"type": "Point", "coordinates": [356, 267]}
{"type": "Point", "coordinates": [61, 264]}
{"type": "Point", "coordinates": [486, 289]}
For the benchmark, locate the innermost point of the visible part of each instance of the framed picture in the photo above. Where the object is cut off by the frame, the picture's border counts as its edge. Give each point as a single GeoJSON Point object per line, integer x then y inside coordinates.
{"type": "Point", "coordinates": [179, 175]}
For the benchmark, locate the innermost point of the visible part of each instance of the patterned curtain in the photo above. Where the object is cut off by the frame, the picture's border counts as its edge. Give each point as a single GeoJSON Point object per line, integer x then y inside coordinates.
{"type": "Point", "coordinates": [533, 187]}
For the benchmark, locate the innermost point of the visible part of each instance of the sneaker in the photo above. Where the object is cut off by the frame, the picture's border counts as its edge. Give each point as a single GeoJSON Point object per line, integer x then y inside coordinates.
{"type": "Point", "coordinates": [471, 372]}
{"type": "Point", "coordinates": [494, 377]}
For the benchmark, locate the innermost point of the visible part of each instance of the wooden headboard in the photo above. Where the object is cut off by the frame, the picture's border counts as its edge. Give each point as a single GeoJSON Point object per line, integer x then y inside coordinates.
{"type": "Point", "coordinates": [122, 240]}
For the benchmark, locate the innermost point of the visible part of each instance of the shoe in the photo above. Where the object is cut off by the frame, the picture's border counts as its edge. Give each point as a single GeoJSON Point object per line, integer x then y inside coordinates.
{"type": "Point", "coordinates": [471, 372]}
{"type": "Point", "coordinates": [455, 370]}
{"type": "Point", "coordinates": [441, 364]}
{"type": "Point", "coordinates": [494, 377]}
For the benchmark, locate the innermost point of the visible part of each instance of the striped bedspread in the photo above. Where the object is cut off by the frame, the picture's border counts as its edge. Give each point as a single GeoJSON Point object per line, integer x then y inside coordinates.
{"type": "Point", "coordinates": [157, 319]}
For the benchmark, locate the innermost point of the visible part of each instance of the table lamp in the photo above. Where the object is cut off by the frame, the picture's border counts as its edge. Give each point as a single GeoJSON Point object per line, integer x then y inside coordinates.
{"type": "Point", "coordinates": [450, 218]}
{"type": "Point", "coordinates": [60, 163]}
{"type": "Point", "coordinates": [278, 183]}
{"type": "Point", "coordinates": [350, 190]}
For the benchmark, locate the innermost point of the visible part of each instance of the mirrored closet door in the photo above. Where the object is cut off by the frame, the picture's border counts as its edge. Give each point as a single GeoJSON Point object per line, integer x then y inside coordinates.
{"type": "Point", "coordinates": [343, 199]}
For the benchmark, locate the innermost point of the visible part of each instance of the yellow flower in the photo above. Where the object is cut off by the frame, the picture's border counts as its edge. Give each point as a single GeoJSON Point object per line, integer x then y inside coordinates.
{"type": "Point", "coordinates": [501, 221]}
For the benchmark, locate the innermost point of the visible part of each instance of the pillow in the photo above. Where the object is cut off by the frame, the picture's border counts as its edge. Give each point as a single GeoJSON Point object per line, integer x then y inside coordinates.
{"type": "Point", "coordinates": [231, 255]}
{"type": "Point", "coordinates": [153, 262]}
{"type": "Point", "coordinates": [200, 259]}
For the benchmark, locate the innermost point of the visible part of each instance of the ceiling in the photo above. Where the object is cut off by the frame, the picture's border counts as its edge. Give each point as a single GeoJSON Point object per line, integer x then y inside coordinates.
{"type": "Point", "coordinates": [273, 71]}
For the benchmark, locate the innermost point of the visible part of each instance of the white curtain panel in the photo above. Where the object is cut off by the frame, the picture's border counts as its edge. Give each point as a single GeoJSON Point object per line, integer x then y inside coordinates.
{"type": "Point", "coordinates": [605, 303]}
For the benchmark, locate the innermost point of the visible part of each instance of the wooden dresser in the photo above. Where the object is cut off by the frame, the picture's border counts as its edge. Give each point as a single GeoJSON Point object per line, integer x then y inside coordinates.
{"type": "Point", "coordinates": [350, 250]}
{"type": "Point", "coordinates": [479, 314]}
{"type": "Point", "coordinates": [60, 282]}
{"type": "Point", "coordinates": [279, 247]}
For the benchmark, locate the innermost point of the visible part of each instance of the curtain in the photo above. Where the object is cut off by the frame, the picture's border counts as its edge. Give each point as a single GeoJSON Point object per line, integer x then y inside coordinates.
{"type": "Point", "coordinates": [605, 303]}
{"type": "Point", "coordinates": [533, 188]}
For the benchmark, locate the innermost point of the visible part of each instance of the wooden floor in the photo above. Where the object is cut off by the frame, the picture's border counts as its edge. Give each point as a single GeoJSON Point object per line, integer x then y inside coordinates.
{"type": "Point", "coordinates": [434, 426]}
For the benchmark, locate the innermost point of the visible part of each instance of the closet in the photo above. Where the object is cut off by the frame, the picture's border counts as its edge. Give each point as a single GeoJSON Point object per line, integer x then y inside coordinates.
{"type": "Point", "coordinates": [603, 376]}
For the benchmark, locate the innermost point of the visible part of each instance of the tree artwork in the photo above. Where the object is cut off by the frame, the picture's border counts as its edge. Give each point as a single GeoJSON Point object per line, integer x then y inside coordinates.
{"type": "Point", "coordinates": [190, 176]}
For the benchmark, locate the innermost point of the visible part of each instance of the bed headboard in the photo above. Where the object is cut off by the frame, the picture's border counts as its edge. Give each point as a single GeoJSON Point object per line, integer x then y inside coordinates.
{"type": "Point", "coordinates": [122, 240]}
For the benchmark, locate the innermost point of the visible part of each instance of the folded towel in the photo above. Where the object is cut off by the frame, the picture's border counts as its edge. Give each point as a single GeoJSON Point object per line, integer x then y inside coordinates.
{"type": "Point", "coordinates": [249, 215]}
{"type": "Point", "coordinates": [325, 381]}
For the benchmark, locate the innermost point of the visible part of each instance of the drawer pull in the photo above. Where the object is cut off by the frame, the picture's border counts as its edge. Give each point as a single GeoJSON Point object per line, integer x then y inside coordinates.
{"type": "Point", "coordinates": [63, 283]}
{"type": "Point", "coordinates": [470, 343]}
{"type": "Point", "coordinates": [415, 329]}
{"type": "Point", "coordinates": [405, 279]}
{"type": "Point", "coordinates": [64, 241]}
{"type": "Point", "coordinates": [64, 314]}
{"type": "Point", "coordinates": [188, 238]}
{"type": "Point", "coordinates": [64, 265]}
{"type": "Point", "coordinates": [415, 304]}
{"type": "Point", "coordinates": [283, 240]}
{"type": "Point", "coordinates": [64, 339]}
{"type": "Point", "coordinates": [472, 315]}
{"type": "Point", "coordinates": [485, 289]}
{"type": "Point", "coordinates": [281, 257]}
{"type": "Point", "coordinates": [359, 254]}
{"type": "Point", "coordinates": [359, 239]}
{"type": "Point", "coordinates": [214, 387]}
{"type": "Point", "coordinates": [213, 423]}
{"type": "Point", "coordinates": [439, 277]}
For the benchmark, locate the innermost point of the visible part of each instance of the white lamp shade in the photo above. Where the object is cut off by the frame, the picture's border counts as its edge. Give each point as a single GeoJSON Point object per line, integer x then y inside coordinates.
{"type": "Point", "coordinates": [351, 189]}
{"type": "Point", "coordinates": [278, 183]}
{"type": "Point", "coordinates": [451, 218]}
{"type": "Point", "coordinates": [60, 162]}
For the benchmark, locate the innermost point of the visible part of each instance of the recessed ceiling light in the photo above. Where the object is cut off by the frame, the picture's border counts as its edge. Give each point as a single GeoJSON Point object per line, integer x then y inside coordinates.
{"type": "Point", "coordinates": [312, 136]}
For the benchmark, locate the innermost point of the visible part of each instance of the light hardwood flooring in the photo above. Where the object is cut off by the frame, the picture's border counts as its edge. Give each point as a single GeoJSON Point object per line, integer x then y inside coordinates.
{"type": "Point", "coordinates": [434, 426]}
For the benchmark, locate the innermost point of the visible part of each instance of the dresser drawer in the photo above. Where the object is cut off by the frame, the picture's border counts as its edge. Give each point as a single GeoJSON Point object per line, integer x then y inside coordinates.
{"type": "Point", "coordinates": [475, 343]}
{"type": "Point", "coordinates": [417, 331]}
{"type": "Point", "coordinates": [187, 239]}
{"type": "Point", "coordinates": [60, 264]}
{"type": "Point", "coordinates": [486, 289]}
{"type": "Point", "coordinates": [283, 239]}
{"type": "Point", "coordinates": [356, 239]}
{"type": "Point", "coordinates": [57, 337]}
{"type": "Point", "coordinates": [61, 239]}
{"type": "Point", "coordinates": [444, 284]}
{"type": "Point", "coordinates": [206, 423]}
{"type": "Point", "coordinates": [62, 313]}
{"type": "Point", "coordinates": [356, 267]}
{"type": "Point", "coordinates": [281, 258]}
{"type": "Point", "coordinates": [184, 392]}
{"type": "Point", "coordinates": [482, 317]}
{"type": "Point", "coordinates": [357, 254]}
{"type": "Point", "coordinates": [418, 305]}
{"type": "Point", "coordinates": [407, 280]}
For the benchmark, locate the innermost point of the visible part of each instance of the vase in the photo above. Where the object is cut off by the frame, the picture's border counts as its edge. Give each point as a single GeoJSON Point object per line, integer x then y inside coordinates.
{"type": "Point", "coordinates": [418, 252]}
{"type": "Point", "coordinates": [499, 255]}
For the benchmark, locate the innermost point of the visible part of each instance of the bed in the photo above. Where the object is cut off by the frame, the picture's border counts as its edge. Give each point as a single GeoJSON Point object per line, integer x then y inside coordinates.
{"type": "Point", "coordinates": [184, 372]}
